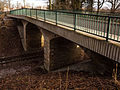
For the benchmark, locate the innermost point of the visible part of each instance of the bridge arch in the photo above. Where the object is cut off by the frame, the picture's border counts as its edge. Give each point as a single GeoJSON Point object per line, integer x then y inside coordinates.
{"type": "Point", "coordinates": [64, 52]}
{"type": "Point", "coordinates": [33, 37]}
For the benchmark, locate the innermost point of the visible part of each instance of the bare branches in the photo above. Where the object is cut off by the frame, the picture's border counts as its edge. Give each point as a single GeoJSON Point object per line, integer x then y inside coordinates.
{"type": "Point", "coordinates": [5, 4]}
{"type": "Point", "coordinates": [69, 4]}
{"type": "Point", "coordinates": [100, 4]}
{"type": "Point", "coordinates": [115, 4]}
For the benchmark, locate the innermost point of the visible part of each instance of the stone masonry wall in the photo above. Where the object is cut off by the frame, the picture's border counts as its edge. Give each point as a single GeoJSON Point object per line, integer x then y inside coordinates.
{"type": "Point", "coordinates": [59, 51]}
{"type": "Point", "coordinates": [33, 37]}
{"type": "Point", "coordinates": [64, 52]}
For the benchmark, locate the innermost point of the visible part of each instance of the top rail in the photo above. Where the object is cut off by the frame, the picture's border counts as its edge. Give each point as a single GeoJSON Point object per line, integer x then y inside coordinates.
{"type": "Point", "coordinates": [101, 25]}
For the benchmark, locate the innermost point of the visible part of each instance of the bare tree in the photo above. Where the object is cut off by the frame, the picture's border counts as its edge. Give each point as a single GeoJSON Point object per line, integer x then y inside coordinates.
{"type": "Point", "coordinates": [50, 4]}
{"type": "Point", "coordinates": [77, 4]}
{"type": "Point", "coordinates": [9, 4]}
{"type": "Point", "coordinates": [115, 4]}
{"type": "Point", "coordinates": [68, 4]}
{"type": "Point", "coordinates": [90, 5]}
{"type": "Point", "coordinates": [99, 4]}
{"type": "Point", "coordinates": [1, 5]}
{"type": "Point", "coordinates": [24, 3]}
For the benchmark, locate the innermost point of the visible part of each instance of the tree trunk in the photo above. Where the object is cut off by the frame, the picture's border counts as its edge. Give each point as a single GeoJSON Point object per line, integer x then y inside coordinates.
{"type": "Point", "coordinates": [50, 5]}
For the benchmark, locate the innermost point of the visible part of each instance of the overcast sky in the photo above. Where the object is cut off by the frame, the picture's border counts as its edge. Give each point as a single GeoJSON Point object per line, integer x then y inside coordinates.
{"type": "Point", "coordinates": [31, 2]}
{"type": "Point", "coordinates": [35, 3]}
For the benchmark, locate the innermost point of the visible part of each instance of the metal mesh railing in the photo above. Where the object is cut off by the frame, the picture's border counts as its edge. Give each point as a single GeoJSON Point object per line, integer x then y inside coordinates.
{"type": "Point", "coordinates": [103, 26]}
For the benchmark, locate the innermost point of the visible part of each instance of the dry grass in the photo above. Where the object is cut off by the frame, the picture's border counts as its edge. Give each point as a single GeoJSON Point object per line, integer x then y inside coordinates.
{"type": "Point", "coordinates": [67, 82]}
{"type": "Point", "coordinates": [115, 75]}
{"type": "Point", "coordinates": [33, 80]}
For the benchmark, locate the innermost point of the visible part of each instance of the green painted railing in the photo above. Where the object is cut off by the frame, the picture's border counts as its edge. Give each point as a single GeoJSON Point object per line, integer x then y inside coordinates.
{"type": "Point", "coordinates": [104, 26]}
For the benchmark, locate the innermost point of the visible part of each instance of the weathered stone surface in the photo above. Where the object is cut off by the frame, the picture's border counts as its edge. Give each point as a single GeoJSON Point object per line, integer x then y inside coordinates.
{"type": "Point", "coordinates": [59, 51]}
{"type": "Point", "coordinates": [30, 36]}
{"type": "Point", "coordinates": [64, 52]}
{"type": "Point", "coordinates": [47, 37]}
{"type": "Point", "coordinates": [33, 37]}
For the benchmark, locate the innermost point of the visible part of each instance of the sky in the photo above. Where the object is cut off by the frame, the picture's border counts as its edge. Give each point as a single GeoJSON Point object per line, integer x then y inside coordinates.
{"type": "Point", "coordinates": [35, 3]}
{"type": "Point", "coordinates": [31, 2]}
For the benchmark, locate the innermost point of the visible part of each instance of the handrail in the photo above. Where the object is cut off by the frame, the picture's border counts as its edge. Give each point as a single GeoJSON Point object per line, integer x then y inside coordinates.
{"type": "Point", "coordinates": [69, 12]}
{"type": "Point", "coordinates": [101, 25]}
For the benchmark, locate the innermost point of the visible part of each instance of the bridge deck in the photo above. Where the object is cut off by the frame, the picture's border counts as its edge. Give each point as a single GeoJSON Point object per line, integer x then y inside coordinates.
{"type": "Point", "coordinates": [94, 30]}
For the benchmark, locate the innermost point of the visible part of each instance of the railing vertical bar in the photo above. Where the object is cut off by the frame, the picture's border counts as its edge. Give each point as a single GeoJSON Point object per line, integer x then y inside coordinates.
{"type": "Point", "coordinates": [30, 13]}
{"type": "Point", "coordinates": [105, 27]}
{"type": "Point", "coordinates": [102, 26]}
{"type": "Point", "coordinates": [108, 26]}
{"type": "Point", "coordinates": [111, 27]}
{"type": "Point", "coordinates": [84, 23]}
{"type": "Point", "coordinates": [118, 33]}
{"type": "Point", "coordinates": [99, 21]}
{"type": "Point", "coordinates": [44, 16]}
{"type": "Point", "coordinates": [94, 26]}
{"type": "Point", "coordinates": [22, 11]}
{"type": "Point", "coordinates": [81, 20]}
{"type": "Point", "coordinates": [36, 13]}
{"type": "Point", "coordinates": [88, 23]}
{"type": "Point", "coordinates": [75, 21]}
{"type": "Point", "coordinates": [115, 30]}
{"type": "Point", "coordinates": [56, 17]}
{"type": "Point", "coordinates": [26, 11]}
{"type": "Point", "coordinates": [97, 27]}
{"type": "Point", "coordinates": [79, 23]}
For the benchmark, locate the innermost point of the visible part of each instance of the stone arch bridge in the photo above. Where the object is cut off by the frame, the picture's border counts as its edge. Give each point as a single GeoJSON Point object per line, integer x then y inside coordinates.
{"type": "Point", "coordinates": [64, 31]}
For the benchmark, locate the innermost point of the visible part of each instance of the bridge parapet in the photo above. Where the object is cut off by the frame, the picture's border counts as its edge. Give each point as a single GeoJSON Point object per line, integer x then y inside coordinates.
{"type": "Point", "coordinates": [103, 26]}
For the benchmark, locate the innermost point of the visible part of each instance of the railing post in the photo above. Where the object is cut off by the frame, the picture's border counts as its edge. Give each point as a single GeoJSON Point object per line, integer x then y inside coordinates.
{"type": "Point", "coordinates": [30, 13]}
{"type": "Point", "coordinates": [44, 15]}
{"type": "Point", "coordinates": [26, 11]}
{"type": "Point", "coordinates": [108, 26]}
{"type": "Point", "coordinates": [17, 12]}
{"type": "Point", "coordinates": [10, 12]}
{"type": "Point", "coordinates": [56, 17]}
{"type": "Point", "coordinates": [75, 21]}
{"type": "Point", "coordinates": [22, 11]}
{"type": "Point", "coordinates": [36, 13]}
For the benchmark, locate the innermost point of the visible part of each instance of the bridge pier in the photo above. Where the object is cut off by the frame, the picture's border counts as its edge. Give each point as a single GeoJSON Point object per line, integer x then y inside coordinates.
{"type": "Point", "coordinates": [47, 37]}
{"type": "Point", "coordinates": [59, 52]}
{"type": "Point", "coordinates": [24, 34]}
{"type": "Point", "coordinates": [30, 36]}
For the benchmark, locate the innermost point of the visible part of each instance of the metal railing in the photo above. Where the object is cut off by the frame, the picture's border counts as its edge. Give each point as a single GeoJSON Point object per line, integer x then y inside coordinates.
{"type": "Point", "coordinates": [104, 26]}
